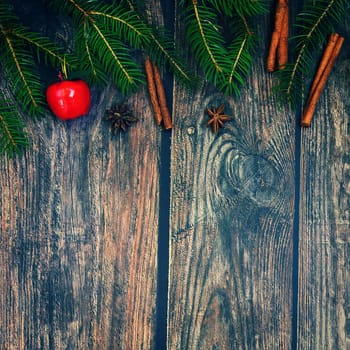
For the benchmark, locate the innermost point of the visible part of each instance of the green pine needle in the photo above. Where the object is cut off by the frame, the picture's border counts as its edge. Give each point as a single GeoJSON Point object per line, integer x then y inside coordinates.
{"type": "Point", "coordinates": [19, 67]}
{"type": "Point", "coordinates": [43, 48]}
{"type": "Point", "coordinates": [105, 36]}
{"type": "Point", "coordinates": [124, 23]}
{"type": "Point", "coordinates": [226, 64]}
{"type": "Point", "coordinates": [240, 7]}
{"type": "Point", "coordinates": [13, 137]}
{"type": "Point", "coordinates": [162, 49]}
{"type": "Point", "coordinates": [240, 53]}
{"type": "Point", "coordinates": [115, 59]}
{"type": "Point", "coordinates": [205, 38]}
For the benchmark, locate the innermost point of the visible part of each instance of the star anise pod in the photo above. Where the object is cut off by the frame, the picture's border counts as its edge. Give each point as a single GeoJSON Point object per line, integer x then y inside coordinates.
{"type": "Point", "coordinates": [120, 117]}
{"type": "Point", "coordinates": [217, 118]}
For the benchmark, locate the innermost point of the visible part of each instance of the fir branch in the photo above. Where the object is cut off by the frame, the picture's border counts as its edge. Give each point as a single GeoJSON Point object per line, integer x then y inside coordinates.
{"type": "Point", "coordinates": [206, 40]}
{"type": "Point", "coordinates": [19, 48]}
{"type": "Point", "coordinates": [125, 73]}
{"type": "Point", "coordinates": [17, 61]}
{"type": "Point", "coordinates": [42, 46]}
{"type": "Point", "coordinates": [205, 37]}
{"type": "Point", "coordinates": [240, 7]}
{"type": "Point", "coordinates": [125, 24]}
{"type": "Point", "coordinates": [162, 48]}
{"type": "Point", "coordinates": [19, 70]}
{"type": "Point", "coordinates": [240, 53]}
{"type": "Point", "coordinates": [97, 72]}
{"type": "Point", "coordinates": [19, 67]}
{"type": "Point", "coordinates": [13, 137]}
{"type": "Point", "coordinates": [240, 50]}
{"type": "Point", "coordinates": [226, 64]}
{"type": "Point", "coordinates": [249, 8]}
{"type": "Point", "coordinates": [106, 32]}
{"type": "Point", "coordinates": [315, 23]}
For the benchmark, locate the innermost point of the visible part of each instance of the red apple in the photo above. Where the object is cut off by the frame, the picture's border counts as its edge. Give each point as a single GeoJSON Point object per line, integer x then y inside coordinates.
{"type": "Point", "coordinates": [69, 99]}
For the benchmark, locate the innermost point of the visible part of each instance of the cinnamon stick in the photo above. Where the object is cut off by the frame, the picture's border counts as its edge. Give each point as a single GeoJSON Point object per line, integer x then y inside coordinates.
{"type": "Point", "coordinates": [324, 61]}
{"type": "Point", "coordinates": [152, 90]}
{"type": "Point", "coordinates": [271, 58]}
{"type": "Point", "coordinates": [326, 65]}
{"type": "Point", "coordinates": [279, 27]}
{"type": "Point", "coordinates": [282, 50]}
{"type": "Point", "coordinates": [162, 98]}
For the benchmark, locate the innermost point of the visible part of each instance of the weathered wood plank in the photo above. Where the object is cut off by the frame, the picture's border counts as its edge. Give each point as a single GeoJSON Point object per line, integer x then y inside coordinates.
{"type": "Point", "coordinates": [79, 225]}
{"type": "Point", "coordinates": [324, 244]}
{"type": "Point", "coordinates": [232, 221]}
{"type": "Point", "coordinates": [79, 214]}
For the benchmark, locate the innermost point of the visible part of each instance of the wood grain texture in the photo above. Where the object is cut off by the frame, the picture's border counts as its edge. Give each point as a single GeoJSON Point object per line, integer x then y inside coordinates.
{"type": "Point", "coordinates": [79, 214]}
{"type": "Point", "coordinates": [324, 247]}
{"type": "Point", "coordinates": [79, 225]}
{"type": "Point", "coordinates": [232, 221]}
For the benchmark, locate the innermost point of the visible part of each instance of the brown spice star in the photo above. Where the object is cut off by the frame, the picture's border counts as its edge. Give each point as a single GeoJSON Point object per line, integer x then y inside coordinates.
{"type": "Point", "coordinates": [120, 117]}
{"type": "Point", "coordinates": [217, 118]}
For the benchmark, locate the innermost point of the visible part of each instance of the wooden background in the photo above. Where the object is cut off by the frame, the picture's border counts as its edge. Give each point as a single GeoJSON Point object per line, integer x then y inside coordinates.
{"type": "Point", "coordinates": [182, 239]}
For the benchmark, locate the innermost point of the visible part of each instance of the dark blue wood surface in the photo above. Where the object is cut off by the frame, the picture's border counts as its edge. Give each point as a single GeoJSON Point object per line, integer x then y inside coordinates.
{"type": "Point", "coordinates": [181, 239]}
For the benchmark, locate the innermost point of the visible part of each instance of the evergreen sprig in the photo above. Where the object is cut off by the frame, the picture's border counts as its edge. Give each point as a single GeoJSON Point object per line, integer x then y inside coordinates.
{"type": "Point", "coordinates": [20, 47]}
{"type": "Point", "coordinates": [240, 7]}
{"type": "Point", "coordinates": [225, 62]}
{"type": "Point", "coordinates": [240, 52]}
{"type": "Point", "coordinates": [108, 35]}
{"type": "Point", "coordinates": [205, 37]}
{"type": "Point", "coordinates": [13, 137]}
{"type": "Point", "coordinates": [313, 25]}
{"type": "Point", "coordinates": [17, 44]}
{"type": "Point", "coordinates": [163, 49]}
{"type": "Point", "coordinates": [105, 34]}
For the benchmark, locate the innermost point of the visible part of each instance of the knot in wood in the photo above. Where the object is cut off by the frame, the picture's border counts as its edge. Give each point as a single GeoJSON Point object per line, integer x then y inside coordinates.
{"type": "Point", "coordinates": [256, 177]}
